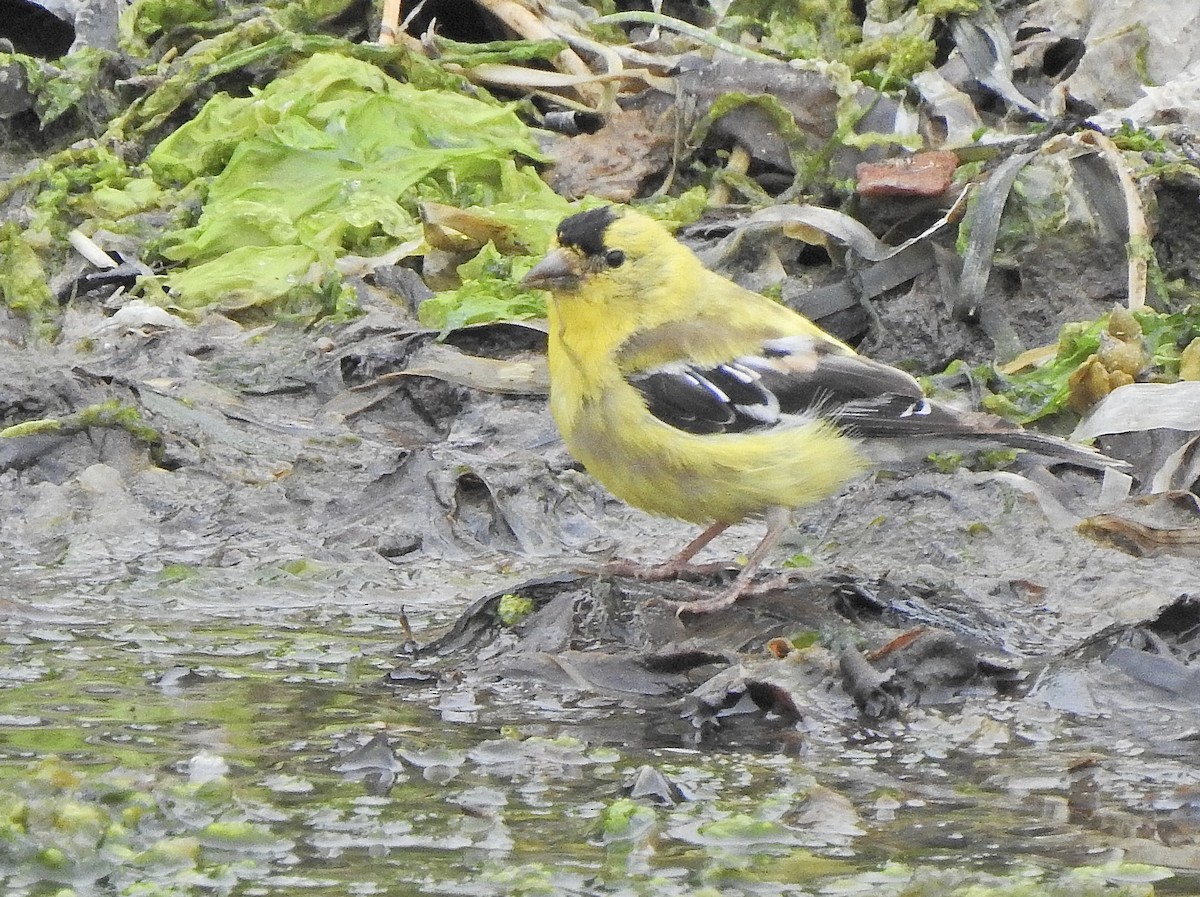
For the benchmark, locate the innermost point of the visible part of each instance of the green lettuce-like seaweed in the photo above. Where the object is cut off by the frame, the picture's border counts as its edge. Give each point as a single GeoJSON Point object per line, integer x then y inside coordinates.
{"type": "Point", "coordinates": [61, 85]}
{"type": "Point", "coordinates": [1046, 390]}
{"type": "Point", "coordinates": [334, 159]}
{"type": "Point", "coordinates": [23, 283]}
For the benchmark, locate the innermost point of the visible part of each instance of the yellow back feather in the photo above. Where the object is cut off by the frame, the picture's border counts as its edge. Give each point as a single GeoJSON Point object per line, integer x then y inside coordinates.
{"type": "Point", "coordinates": [662, 282]}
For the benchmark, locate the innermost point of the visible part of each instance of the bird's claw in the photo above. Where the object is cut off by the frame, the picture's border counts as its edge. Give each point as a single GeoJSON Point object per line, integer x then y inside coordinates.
{"type": "Point", "coordinates": [706, 603]}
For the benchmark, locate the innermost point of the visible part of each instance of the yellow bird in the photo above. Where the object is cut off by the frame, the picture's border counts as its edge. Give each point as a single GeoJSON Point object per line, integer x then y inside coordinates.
{"type": "Point", "coordinates": [690, 397]}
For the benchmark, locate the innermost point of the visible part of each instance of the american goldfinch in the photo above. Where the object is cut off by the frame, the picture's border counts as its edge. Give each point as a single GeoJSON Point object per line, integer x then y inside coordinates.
{"type": "Point", "coordinates": [690, 397]}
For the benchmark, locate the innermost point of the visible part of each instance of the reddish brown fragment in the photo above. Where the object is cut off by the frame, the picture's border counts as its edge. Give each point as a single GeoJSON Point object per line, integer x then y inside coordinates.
{"type": "Point", "coordinates": [920, 175]}
{"type": "Point", "coordinates": [779, 648]}
{"type": "Point", "coordinates": [1027, 590]}
{"type": "Point", "coordinates": [903, 640]}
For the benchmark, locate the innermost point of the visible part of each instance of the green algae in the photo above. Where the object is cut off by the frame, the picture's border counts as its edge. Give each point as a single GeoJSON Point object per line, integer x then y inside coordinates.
{"type": "Point", "coordinates": [512, 609]}
{"type": "Point", "coordinates": [1046, 390]}
{"type": "Point", "coordinates": [23, 282]}
{"type": "Point", "coordinates": [491, 291]}
{"type": "Point", "coordinates": [943, 8]}
{"type": "Point", "coordinates": [61, 85]}
{"type": "Point", "coordinates": [626, 820]}
{"type": "Point", "coordinates": [334, 156]}
{"type": "Point", "coordinates": [831, 31]}
{"type": "Point", "coordinates": [112, 414]}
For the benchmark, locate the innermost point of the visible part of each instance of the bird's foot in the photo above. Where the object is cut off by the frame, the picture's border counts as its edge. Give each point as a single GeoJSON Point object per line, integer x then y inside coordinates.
{"type": "Point", "coordinates": [706, 603]}
{"type": "Point", "coordinates": [662, 572]}
{"type": "Point", "coordinates": [678, 567]}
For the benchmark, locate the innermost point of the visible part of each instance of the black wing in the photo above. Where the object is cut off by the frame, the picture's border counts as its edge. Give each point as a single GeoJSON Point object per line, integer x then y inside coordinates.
{"type": "Point", "coordinates": [796, 379]}
{"type": "Point", "coordinates": [725, 398]}
{"type": "Point", "coordinates": [790, 379]}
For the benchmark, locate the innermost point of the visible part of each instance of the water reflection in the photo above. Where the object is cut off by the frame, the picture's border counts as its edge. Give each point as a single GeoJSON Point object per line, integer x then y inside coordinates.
{"type": "Point", "coordinates": [270, 760]}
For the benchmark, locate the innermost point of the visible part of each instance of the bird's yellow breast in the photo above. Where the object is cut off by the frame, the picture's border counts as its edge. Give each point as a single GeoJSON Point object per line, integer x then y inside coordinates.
{"type": "Point", "coordinates": [711, 478]}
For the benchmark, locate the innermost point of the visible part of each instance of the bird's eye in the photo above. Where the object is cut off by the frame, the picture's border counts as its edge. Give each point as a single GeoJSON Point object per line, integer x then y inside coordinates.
{"type": "Point", "coordinates": [615, 258]}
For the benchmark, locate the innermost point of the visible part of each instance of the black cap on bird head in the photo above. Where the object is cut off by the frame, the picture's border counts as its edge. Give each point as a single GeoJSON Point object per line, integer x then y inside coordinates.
{"type": "Point", "coordinates": [580, 249]}
{"type": "Point", "coordinates": [585, 230]}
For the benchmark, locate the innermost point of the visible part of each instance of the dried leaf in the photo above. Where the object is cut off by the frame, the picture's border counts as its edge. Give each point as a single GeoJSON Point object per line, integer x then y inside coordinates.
{"type": "Point", "coordinates": [1168, 523]}
{"type": "Point", "coordinates": [1181, 469]}
{"type": "Point", "coordinates": [469, 230]}
{"type": "Point", "coordinates": [949, 111]}
{"type": "Point", "coordinates": [983, 225]}
{"type": "Point", "coordinates": [812, 224]}
{"type": "Point", "coordinates": [983, 42]}
{"type": "Point", "coordinates": [615, 161]}
{"type": "Point", "coordinates": [507, 376]}
{"type": "Point", "coordinates": [1143, 406]}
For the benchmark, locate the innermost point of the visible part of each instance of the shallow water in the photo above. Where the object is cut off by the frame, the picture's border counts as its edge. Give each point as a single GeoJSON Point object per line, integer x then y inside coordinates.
{"type": "Point", "coordinates": [252, 749]}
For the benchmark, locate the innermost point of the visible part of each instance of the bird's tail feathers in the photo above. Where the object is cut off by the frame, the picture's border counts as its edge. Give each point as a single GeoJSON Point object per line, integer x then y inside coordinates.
{"type": "Point", "coordinates": [1052, 448]}
{"type": "Point", "coordinates": [898, 426]}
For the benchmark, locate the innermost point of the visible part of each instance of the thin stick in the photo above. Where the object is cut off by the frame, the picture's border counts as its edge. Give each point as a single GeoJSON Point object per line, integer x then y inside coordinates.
{"type": "Point", "coordinates": [389, 22]}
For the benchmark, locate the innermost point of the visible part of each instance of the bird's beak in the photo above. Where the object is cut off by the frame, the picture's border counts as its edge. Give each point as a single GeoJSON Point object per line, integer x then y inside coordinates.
{"type": "Point", "coordinates": [559, 270]}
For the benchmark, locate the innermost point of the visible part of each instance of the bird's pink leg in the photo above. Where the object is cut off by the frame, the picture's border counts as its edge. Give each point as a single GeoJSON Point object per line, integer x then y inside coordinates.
{"type": "Point", "coordinates": [671, 569]}
{"type": "Point", "coordinates": [777, 523]}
